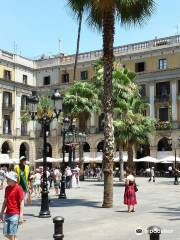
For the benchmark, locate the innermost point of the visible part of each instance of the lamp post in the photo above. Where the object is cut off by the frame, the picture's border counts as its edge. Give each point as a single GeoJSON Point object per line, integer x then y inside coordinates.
{"type": "Point", "coordinates": [49, 110]}
{"type": "Point", "coordinates": [73, 138]}
{"type": "Point", "coordinates": [65, 125]}
{"type": "Point", "coordinates": [171, 143]}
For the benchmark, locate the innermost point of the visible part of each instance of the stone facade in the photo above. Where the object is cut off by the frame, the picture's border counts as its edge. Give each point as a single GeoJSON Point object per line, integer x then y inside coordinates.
{"type": "Point", "coordinates": [156, 63]}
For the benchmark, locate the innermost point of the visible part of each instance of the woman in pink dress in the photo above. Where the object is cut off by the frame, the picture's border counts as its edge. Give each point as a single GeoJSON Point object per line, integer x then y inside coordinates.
{"type": "Point", "coordinates": [129, 193]}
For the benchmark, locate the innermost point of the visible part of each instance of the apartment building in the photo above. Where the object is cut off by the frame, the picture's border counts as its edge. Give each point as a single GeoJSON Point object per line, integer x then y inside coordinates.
{"type": "Point", "coordinates": [156, 63]}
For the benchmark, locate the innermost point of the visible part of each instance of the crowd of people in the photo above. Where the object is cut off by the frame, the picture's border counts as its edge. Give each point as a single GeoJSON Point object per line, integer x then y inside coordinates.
{"type": "Point", "coordinates": [24, 183]}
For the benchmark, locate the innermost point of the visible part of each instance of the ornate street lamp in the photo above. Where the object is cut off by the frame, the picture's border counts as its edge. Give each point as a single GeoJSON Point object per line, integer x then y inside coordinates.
{"type": "Point", "coordinates": [45, 115]}
{"type": "Point", "coordinates": [170, 142]}
{"type": "Point", "coordinates": [65, 127]}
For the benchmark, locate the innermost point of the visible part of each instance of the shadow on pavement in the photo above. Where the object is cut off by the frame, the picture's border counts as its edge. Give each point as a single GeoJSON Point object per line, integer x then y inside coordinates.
{"type": "Point", "coordinates": [169, 212]}
{"type": "Point", "coordinates": [55, 202]}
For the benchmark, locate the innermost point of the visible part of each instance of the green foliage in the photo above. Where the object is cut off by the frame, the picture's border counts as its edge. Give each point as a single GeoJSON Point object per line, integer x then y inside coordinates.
{"type": "Point", "coordinates": [25, 118]}
{"type": "Point", "coordinates": [126, 11]}
{"type": "Point", "coordinates": [80, 98]}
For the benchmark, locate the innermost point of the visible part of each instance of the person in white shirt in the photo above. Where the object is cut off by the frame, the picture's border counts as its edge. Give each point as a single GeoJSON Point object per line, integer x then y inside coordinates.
{"type": "Point", "coordinates": [2, 177]}
{"type": "Point", "coordinates": [57, 180]}
{"type": "Point", "coordinates": [152, 174]}
{"type": "Point", "coordinates": [37, 183]}
{"type": "Point", "coordinates": [68, 174]}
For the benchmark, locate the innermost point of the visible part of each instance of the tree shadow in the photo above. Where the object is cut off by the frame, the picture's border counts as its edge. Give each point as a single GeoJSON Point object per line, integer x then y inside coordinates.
{"type": "Point", "coordinates": [169, 212]}
{"type": "Point", "coordinates": [55, 202]}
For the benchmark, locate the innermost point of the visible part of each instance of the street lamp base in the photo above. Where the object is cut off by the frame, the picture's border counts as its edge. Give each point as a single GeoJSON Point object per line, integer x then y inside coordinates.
{"type": "Point", "coordinates": [62, 196]}
{"type": "Point", "coordinates": [176, 182]}
{"type": "Point", "coordinates": [45, 214]}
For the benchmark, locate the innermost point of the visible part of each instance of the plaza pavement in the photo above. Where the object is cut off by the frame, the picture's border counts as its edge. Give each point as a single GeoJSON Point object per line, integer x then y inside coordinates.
{"type": "Point", "coordinates": [158, 204]}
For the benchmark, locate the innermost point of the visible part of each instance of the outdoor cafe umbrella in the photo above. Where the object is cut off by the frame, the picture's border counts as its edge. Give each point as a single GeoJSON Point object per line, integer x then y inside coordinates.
{"type": "Point", "coordinates": [148, 159]}
{"type": "Point", "coordinates": [48, 159]}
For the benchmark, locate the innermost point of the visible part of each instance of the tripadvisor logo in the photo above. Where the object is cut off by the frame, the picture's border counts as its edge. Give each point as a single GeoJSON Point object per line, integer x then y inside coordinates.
{"type": "Point", "coordinates": [139, 231]}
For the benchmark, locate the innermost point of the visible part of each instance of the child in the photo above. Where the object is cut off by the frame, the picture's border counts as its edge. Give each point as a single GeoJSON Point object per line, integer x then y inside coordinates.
{"type": "Point", "coordinates": [13, 204]}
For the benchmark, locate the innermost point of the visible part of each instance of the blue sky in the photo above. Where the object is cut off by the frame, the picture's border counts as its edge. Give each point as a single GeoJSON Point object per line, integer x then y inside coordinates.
{"type": "Point", "coordinates": [34, 27]}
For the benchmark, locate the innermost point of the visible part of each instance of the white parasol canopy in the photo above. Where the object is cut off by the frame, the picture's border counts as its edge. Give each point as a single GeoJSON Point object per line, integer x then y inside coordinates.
{"type": "Point", "coordinates": [147, 159]}
{"type": "Point", "coordinates": [49, 159]}
{"type": "Point", "coordinates": [170, 159]}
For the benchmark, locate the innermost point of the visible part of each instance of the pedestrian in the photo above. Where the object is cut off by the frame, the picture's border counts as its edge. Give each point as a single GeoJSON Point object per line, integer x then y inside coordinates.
{"type": "Point", "coordinates": [12, 206]}
{"type": "Point", "coordinates": [129, 193]}
{"type": "Point", "coordinates": [23, 176]}
{"type": "Point", "coordinates": [68, 174]}
{"type": "Point", "coordinates": [170, 170]}
{"type": "Point", "coordinates": [37, 183]}
{"type": "Point", "coordinates": [77, 169]}
{"type": "Point", "coordinates": [152, 174]}
{"type": "Point", "coordinates": [57, 180]}
{"type": "Point", "coordinates": [2, 177]}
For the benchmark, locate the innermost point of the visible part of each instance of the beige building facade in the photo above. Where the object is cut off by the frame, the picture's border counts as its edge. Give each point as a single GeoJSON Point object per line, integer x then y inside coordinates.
{"type": "Point", "coordinates": [156, 64]}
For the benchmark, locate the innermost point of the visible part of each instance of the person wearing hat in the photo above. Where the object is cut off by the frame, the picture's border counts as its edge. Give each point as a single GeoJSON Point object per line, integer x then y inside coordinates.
{"type": "Point", "coordinates": [23, 173]}
{"type": "Point", "coordinates": [12, 206]}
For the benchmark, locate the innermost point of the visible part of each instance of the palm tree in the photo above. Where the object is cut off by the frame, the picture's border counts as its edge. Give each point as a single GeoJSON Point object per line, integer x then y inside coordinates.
{"type": "Point", "coordinates": [78, 43]}
{"type": "Point", "coordinates": [102, 15]}
{"type": "Point", "coordinates": [79, 102]}
{"type": "Point", "coordinates": [133, 127]}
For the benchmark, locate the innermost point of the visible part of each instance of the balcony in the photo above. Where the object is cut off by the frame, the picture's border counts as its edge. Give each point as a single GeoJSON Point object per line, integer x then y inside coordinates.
{"type": "Point", "coordinates": [163, 125]}
{"type": "Point", "coordinates": [7, 131]}
{"type": "Point", "coordinates": [24, 132]}
{"type": "Point", "coordinates": [24, 108]}
{"type": "Point", "coordinates": [8, 107]}
{"type": "Point", "coordinates": [162, 98]}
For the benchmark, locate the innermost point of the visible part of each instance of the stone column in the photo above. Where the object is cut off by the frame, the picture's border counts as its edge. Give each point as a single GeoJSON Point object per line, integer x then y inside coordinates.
{"type": "Point", "coordinates": [174, 101]}
{"type": "Point", "coordinates": [151, 98]}
{"type": "Point", "coordinates": [17, 115]}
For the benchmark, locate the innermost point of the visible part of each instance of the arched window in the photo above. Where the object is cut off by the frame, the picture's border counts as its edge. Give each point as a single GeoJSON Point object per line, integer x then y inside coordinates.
{"type": "Point", "coordinates": [163, 145]}
{"type": "Point", "coordinates": [5, 148]}
{"type": "Point", "coordinates": [86, 147]}
{"type": "Point", "coordinates": [100, 146]}
{"type": "Point", "coordinates": [101, 122]}
{"type": "Point", "coordinates": [24, 150]}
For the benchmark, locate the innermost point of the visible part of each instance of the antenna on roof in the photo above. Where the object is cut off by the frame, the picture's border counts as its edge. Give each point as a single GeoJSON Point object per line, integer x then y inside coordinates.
{"type": "Point", "coordinates": [15, 47]}
{"type": "Point", "coordinates": [59, 45]}
{"type": "Point", "coordinates": [177, 30]}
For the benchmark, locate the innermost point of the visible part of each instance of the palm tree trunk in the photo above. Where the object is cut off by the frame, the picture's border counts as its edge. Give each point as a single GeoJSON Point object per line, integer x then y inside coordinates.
{"type": "Point", "coordinates": [78, 43]}
{"type": "Point", "coordinates": [130, 157]}
{"type": "Point", "coordinates": [108, 153]}
{"type": "Point", "coordinates": [121, 163]}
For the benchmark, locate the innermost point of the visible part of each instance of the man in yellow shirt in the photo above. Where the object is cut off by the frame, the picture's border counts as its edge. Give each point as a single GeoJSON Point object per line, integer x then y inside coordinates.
{"type": "Point", "coordinates": [23, 175]}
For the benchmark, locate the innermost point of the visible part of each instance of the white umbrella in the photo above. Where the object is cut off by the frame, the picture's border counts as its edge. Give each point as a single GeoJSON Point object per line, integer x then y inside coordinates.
{"type": "Point", "coordinates": [170, 159]}
{"type": "Point", "coordinates": [48, 159]}
{"type": "Point", "coordinates": [147, 159]}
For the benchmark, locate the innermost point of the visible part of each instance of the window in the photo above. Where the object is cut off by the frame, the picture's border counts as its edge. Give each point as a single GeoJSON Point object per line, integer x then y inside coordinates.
{"type": "Point", "coordinates": [142, 90]}
{"type": "Point", "coordinates": [23, 129]}
{"type": "Point", "coordinates": [24, 102]}
{"type": "Point", "coordinates": [7, 99]}
{"type": "Point", "coordinates": [6, 124]}
{"type": "Point", "coordinates": [140, 67]}
{"type": "Point", "coordinates": [163, 114]}
{"type": "Point", "coordinates": [47, 80]}
{"type": "Point", "coordinates": [65, 78]}
{"type": "Point", "coordinates": [84, 75]}
{"type": "Point", "coordinates": [7, 75]}
{"type": "Point", "coordinates": [144, 113]}
{"type": "Point", "coordinates": [25, 79]}
{"type": "Point", "coordinates": [162, 89]}
{"type": "Point", "coordinates": [163, 63]}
